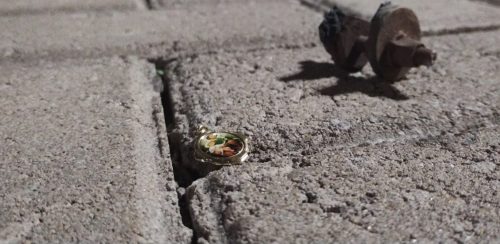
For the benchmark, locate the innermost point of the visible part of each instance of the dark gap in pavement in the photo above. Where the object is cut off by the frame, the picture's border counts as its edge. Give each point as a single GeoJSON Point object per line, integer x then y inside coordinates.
{"type": "Point", "coordinates": [150, 4]}
{"type": "Point", "coordinates": [64, 10]}
{"type": "Point", "coordinates": [462, 30]}
{"type": "Point", "coordinates": [492, 2]}
{"type": "Point", "coordinates": [318, 7]}
{"type": "Point", "coordinates": [183, 176]}
{"type": "Point", "coordinates": [323, 7]}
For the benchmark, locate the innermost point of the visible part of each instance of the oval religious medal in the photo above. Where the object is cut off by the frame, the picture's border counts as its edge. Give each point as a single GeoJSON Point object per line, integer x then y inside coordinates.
{"type": "Point", "coordinates": [220, 148]}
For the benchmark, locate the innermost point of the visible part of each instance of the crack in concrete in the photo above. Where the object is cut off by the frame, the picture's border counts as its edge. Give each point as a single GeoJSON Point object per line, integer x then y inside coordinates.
{"type": "Point", "coordinates": [492, 2]}
{"type": "Point", "coordinates": [151, 4]}
{"type": "Point", "coordinates": [324, 6]}
{"type": "Point", "coordinates": [147, 4]}
{"type": "Point", "coordinates": [26, 11]}
{"type": "Point", "coordinates": [182, 176]}
{"type": "Point", "coordinates": [461, 30]}
{"type": "Point", "coordinates": [315, 6]}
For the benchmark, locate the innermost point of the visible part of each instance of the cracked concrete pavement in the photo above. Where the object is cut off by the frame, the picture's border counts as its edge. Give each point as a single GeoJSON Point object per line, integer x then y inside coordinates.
{"type": "Point", "coordinates": [305, 116]}
{"type": "Point", "coordinates": [158, 33]}
{"type": "Point", "coordinates": [81, 154]}
{"type": "Point", "coordinates": [96, 146]}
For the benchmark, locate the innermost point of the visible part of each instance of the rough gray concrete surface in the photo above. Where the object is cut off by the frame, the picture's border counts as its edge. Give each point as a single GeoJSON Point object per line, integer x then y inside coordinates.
{"type": "Point", "coordinates": [427, 191]}
{"type": "Point", "coordinates": [435, 16]}
{"type": "Point", "coordinates": [191, 29]}
{"type": "Point", "coordinates": [84, 155]}
{"type": "Point", "coordinates": [25, 7]}
{"type": "Point", "coordinates": [182, 3]}
{"type": "Point", "coordinates": [336, 156]}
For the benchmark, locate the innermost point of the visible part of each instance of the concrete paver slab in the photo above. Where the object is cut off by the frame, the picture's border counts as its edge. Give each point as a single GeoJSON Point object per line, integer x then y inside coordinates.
{"type": "Point", "coordinates": [183, 3]}
{"type": "Point", "coordinates": [20, 7]}
{"type": "Point", "coordinates": [193, 29]}
{"type": "Point", "coordinates": [282, 91]}
{"type": "Point", "coordinates": [436, 16]}
{"type": "Point", "coordinates": [300, 111]}
{"type": "Point", "coordinates": [434, 190]}
{"type": "Point", "coordinates": [84, 155]}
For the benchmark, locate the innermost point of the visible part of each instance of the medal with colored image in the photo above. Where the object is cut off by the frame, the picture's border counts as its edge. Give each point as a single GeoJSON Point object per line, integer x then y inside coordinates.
{"type": "Point", "coordinates": [220, 148]}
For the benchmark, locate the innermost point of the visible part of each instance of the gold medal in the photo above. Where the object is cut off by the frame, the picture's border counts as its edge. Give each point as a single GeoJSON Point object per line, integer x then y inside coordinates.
{"type": "Point", "coordinates": [220, 148]}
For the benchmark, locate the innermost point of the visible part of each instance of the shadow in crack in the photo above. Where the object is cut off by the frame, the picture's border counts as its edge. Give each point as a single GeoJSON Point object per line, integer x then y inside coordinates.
{"type": "Point", "coordinates": [183, 176]}
{"type": "Point", "coordinates": [372, 86]}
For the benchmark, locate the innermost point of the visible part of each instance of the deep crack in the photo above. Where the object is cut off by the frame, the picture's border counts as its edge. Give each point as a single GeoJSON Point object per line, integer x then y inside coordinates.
{"type": "Point", "coordinates": [150, 4]}
{"type": "Point", "coordinates": [183, 176]}
{"type": "Point", "coordinates": [461, 30]}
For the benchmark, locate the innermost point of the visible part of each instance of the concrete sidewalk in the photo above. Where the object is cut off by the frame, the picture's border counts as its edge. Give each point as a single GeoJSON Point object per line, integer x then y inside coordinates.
{"type": "Point", "coordinates": [84, 154]}
{"type": "Point", "coordinates": [336, 153]}
{"type": "Point", "coordinates": [100, 100]}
